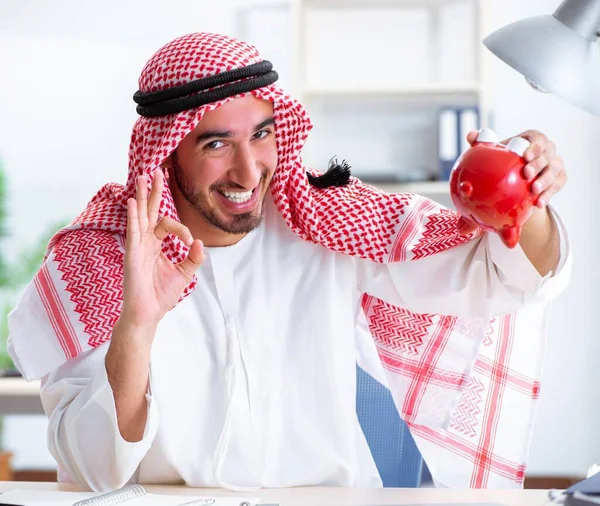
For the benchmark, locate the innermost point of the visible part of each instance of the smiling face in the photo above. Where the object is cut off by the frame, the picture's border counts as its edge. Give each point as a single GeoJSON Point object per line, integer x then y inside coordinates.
{"type": "Point", "coordinates": [220, 172]}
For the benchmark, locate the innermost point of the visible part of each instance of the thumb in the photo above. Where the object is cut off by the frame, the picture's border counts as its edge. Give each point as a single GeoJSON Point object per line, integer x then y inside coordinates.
{"type": "Point", "coordinates": [472, 136]}
{"type": "Point", "coordinates": [194, 259]}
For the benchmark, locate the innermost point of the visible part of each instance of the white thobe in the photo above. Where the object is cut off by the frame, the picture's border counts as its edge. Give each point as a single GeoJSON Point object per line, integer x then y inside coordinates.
{"type": "Point", "coordinates": [277, 320]}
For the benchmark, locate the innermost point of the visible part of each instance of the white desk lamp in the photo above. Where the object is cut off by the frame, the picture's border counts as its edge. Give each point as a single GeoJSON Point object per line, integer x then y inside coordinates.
{"type": "Point", "coordinates": [558, 53]}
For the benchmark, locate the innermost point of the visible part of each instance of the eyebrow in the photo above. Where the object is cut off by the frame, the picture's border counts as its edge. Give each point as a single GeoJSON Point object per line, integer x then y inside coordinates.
{"type": "Point", "coordinates": [211, 134]}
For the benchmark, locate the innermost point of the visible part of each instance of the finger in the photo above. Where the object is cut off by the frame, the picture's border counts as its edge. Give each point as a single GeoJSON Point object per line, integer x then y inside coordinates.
{"type": "Point", "coordinates": [559, 182]}
{"type": "Point", "coordinates": [534, 167]}
{"type": "Point", "coordinates": [546, 177]}
{"type": "Point", "coordinates": [538, 144]}
{"type": "Point", "coordinates": [168, 226]}
{"type": "Point", "coordinates": [133, 231]}
{"type": "Point", "coordinates": [194, 259]}
{"type": "Point", "coordinates": [142, 203]}
{"type": "Point", "coordinates": [545, 197]}
{"type": "Point", "coordinates": [472, 136]}
{"type": "Point", "coordinates": [550, 152]}
{"type": "Point", "coordinates": [155, 198]}
{"type": "Point", "coordinates": [530, 135]}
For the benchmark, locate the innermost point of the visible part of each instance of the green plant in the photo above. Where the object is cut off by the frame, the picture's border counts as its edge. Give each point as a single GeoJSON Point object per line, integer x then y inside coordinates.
{"type": "Point", "coordinates": [13, 277]}
{"type": "Point", "coordinates": [13, 282]}
{"type": "Point", "coordinates": [5, 360]}
{"type": "Point", "coordinates": [4, 271]}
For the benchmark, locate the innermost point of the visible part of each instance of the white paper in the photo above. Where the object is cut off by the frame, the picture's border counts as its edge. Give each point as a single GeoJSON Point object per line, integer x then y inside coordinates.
{"type": "Point", "coordinates": [595, 469]}
{"type": "Point", "coordinates": [25, 497]}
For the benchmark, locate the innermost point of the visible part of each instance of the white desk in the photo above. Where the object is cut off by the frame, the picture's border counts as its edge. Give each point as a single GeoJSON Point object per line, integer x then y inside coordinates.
{"type": "Point", "coordinates": [320, 496]}
{"type": "Point", "coordinates": [18, 397]}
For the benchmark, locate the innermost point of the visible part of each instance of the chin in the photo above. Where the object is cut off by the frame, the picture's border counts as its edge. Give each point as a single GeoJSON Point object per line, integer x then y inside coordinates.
{"type": "Point", "coordinates": [239, 224]}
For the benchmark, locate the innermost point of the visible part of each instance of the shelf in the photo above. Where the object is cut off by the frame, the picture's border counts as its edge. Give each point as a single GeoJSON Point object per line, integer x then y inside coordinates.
{"type": "Point", "coordinates": [380, 109]}
{"type": "Point", "coordinates": [386, 4]}
{"type": "Point", "coordinates": [400, 91]}
{"type": "Point", "coordinates": [425, 188]}
{"type": "Point", "coordinates": [19, 387]}
{"type": "Point", "coordinates": [20, 397]}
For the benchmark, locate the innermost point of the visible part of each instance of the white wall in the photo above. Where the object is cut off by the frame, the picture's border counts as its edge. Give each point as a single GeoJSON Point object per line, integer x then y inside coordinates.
{"type": "Point", "coordinates": [68, 70]}
{"type": "Point", "coordinates": [565, 439]}
{"type": "Point", "coordinates": [67, 73]}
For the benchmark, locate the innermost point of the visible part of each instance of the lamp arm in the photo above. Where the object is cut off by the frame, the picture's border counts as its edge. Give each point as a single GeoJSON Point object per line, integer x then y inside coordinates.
{"type": "Point", "coordinates": [583, 16]}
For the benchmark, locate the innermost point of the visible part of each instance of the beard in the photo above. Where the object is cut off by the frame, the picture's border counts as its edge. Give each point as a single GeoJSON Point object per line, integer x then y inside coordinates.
{"type": "Point", "coordinates": [233, 224]}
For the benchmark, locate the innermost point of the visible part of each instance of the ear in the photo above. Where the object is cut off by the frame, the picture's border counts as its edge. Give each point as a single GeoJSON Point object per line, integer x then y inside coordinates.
{"type": "Point", "coordinates": [167, 165]}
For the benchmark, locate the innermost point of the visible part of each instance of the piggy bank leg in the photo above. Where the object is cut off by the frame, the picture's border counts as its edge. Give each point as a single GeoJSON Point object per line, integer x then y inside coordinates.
{"type": "Point", "coordinates": [510, 236]}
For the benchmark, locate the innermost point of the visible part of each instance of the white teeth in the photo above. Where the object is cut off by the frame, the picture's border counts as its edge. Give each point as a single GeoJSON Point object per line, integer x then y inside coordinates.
{"type": "Point", "coordinates": [238, 197]}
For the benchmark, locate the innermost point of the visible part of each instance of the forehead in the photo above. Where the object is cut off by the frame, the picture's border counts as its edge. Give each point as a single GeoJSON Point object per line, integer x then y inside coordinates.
{"type": "Point", "coordinates": [240, 113]}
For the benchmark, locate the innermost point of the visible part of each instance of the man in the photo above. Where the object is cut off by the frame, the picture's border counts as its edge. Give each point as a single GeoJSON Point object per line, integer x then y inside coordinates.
{"type": "Point", "coordinates": [203, 322]}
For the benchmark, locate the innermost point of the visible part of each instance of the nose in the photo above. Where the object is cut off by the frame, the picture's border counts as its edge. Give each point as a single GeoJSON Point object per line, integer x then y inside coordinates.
{"type": "Point", "coordinates": [245, 171]}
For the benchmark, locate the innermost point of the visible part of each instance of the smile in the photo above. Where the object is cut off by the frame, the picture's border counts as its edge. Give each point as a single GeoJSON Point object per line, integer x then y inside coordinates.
{"type": "Point", "coordinates": [237, 197]}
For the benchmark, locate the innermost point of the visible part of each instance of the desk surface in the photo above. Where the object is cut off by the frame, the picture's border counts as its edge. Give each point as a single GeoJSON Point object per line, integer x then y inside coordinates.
{"type": "Point", "coordinates": [331, 496]}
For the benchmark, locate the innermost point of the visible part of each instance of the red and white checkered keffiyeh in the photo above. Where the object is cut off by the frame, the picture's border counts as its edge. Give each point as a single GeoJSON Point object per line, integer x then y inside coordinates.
{"type": "Point", "coordinates": [465, 386]}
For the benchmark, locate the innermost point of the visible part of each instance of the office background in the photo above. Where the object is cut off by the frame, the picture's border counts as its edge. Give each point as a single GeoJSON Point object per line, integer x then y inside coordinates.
{"type": "Point", "coordinates": [68, 70]}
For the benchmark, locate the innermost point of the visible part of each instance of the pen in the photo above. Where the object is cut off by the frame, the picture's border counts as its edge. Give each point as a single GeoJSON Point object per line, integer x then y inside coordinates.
{"type": "Point", "coordinates": [198, 502]}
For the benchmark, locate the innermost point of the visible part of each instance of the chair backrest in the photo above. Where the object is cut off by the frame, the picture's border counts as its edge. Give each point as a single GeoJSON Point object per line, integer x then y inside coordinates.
{"type": "Point", "coordinates": [395, 453]}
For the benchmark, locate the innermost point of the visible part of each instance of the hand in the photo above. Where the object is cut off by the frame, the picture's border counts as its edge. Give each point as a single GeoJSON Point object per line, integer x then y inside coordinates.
{"type": "Point", "coordinates": [153, 284]}
{"type": "Point", "coordinates": [543, 165]}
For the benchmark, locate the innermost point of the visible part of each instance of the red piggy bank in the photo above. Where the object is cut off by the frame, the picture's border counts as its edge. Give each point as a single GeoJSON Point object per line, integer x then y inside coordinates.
{"type": "Point", "coordinates": [489, 189]}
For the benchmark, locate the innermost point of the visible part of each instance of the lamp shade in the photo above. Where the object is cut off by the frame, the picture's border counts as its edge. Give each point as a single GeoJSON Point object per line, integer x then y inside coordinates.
{"type": "Point", "coordinates": [553, 56]}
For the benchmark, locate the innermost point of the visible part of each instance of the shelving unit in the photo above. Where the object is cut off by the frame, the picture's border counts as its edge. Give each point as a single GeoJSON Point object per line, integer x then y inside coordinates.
{"type": "Point", "coordinates": [375, 95]}
{"type": "Point", "coordinates": [375, 99]}
{"type": "Point", "coordinates": [411, 90]}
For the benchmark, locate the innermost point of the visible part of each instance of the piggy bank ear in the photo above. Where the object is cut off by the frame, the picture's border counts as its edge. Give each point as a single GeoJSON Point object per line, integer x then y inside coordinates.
{"type": "Point", "coordinates": [518, 145]}
{"type": "Point", "coordinates": [487, 135]}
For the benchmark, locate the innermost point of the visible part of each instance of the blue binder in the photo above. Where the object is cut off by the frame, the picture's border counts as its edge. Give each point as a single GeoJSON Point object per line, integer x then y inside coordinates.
{"type": "Point", "coordinates": [453, 125]}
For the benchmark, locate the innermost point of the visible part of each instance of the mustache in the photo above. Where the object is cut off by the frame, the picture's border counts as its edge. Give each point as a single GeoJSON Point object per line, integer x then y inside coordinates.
{"type": "Point", "coordinates": [230, 186]}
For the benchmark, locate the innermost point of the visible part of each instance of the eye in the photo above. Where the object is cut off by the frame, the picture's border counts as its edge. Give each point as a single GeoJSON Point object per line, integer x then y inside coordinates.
{"type": "Point", "coordinates": [214, 145]}
{"type": "Point", "coordinates": [261, 134]}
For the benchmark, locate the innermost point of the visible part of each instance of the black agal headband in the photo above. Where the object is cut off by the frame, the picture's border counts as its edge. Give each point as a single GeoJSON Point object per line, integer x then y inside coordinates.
{"type": "Point", "coordinates": [227, 84]}
{"type": "Point", "coordinates": [204, 91]}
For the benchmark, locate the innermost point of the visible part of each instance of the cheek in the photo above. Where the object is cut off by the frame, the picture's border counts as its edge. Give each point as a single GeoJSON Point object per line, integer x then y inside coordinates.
{"type": "Point", "coordinates": [269, 158]}
{"type": "Point", "coordinates": [207, 171]}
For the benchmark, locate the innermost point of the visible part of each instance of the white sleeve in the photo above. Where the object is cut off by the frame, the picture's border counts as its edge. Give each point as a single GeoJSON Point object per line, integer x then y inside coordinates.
{"type": "Point", "coordinates": [83, 435]}
{"type": "Point", "coordinates": [479, 278]}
